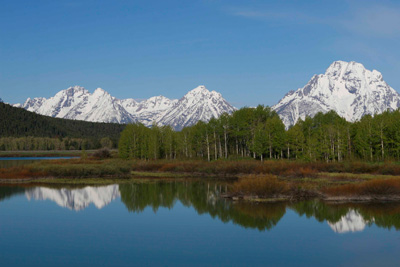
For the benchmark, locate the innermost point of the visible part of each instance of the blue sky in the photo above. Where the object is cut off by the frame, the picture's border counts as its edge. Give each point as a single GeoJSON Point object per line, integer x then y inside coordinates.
{"type": "Point", "coordinates": [253, 52]}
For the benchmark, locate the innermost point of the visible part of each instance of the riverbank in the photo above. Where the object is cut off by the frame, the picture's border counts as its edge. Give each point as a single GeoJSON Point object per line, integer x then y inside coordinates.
{"type": "Point", "coordinates": [250, 180]}
{"type": "Point", "coordinates": [45, 153]}
{"type": "Point", "coordinates": [330, 188]}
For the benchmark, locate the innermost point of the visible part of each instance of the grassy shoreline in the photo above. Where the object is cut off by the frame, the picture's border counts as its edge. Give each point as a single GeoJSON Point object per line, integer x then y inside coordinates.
{"type": "Point", "coordinates": [44, 153]}
{"type": "Point", "coordinates": [251, 180]}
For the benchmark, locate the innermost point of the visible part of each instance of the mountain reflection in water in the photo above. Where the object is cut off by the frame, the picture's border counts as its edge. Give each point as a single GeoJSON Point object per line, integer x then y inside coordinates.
{"type": "Point", "coordinates": [76, 199]}
{"type": "Point", "coordinates": [351, 222]}
{"type": "Point", "coordinates": [204, 198]}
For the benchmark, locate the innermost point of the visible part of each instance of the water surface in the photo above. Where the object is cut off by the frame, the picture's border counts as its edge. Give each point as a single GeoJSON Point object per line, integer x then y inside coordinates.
{"type": "Point", "coordinates": [181, 223]}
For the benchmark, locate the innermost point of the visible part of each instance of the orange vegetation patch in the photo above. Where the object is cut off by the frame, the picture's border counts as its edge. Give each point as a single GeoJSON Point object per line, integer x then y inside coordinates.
{"type": "Point", "coordinates": [19, 173]}
{"type": "Point", "coordinates": [376, 187]}
{"type": "Point", "coordinates": [266, 186]}
{"type": "Point", "coordinates": [230, 167]}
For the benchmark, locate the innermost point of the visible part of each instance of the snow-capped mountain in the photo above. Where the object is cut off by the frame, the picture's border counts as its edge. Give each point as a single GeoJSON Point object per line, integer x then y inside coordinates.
{"type": "Point", "coordinates": [76, 199]}
{"type": "Point", "coordinates": [197, 105]}
{"type": "Point", "coordinates": [150, 110]}
{"type": "Point", "coordinates": [346, 87]}
{"type": "Point", "coordinates": [79, 104]}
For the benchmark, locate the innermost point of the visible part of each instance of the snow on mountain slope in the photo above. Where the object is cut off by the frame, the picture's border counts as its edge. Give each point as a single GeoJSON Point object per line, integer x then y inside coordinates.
{"type": "Point", "coordinates": [149, 111]}
{"type": "Point", "coordinates": [32, 104]}
{"type": "Point", "coordinates": [99, 106]}
{"type": "Point", "coordinates": [60, 104]}
{"type": "Point", "coordinates": [346, 87]}
{"type": "Point", "coordinates": [129, 104]}
{"type": "Point", "coordinates": [77, 103]}
{"type": "Point", "coordinates": [197, 105]}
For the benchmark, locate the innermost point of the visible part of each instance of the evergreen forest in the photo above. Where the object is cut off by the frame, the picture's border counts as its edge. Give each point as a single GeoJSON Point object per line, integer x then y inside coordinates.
{"type": "Point", "coordinates": [24, 130]}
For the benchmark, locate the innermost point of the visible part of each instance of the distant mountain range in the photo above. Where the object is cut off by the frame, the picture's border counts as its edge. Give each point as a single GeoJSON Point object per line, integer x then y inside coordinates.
{"type": "Point", "coordinates": [346, 87]}
{"type": "Point", "coordinates": [78, 103]}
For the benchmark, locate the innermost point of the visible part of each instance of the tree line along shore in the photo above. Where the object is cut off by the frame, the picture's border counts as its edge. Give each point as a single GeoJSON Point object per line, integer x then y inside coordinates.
{"type": "Point", "coordinates": [137, 196]}
{"type": "Point", "coordinates": [246, 133]}
{"type": "Point", "coordinates": [273, 180]}
{"type": "Point", "coordinates": [324, 157]}
{"type": "Point", "coordinates": [259, 133]}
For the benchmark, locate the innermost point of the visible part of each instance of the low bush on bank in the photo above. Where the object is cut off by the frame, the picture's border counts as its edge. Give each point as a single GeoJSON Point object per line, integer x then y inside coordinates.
{"type": "Point", "coordinates": [375, 187]}
{"type": "Point", "coordinates": [74, 168]}
{"type": "Point", "coordinates": [19, 173]}
{"type": "Point", "coordinates": [103, 153]}
{"type": "Point", "coordinates": [266, 186]}
{"type": "Point", "coordinates": [83, 168]}
{"type": "Point", "coordinates": [103, 166]}
{"type": "Point", "coordinates": [228, 167]}
{"type": "Point", "coordinates": [284, 168]}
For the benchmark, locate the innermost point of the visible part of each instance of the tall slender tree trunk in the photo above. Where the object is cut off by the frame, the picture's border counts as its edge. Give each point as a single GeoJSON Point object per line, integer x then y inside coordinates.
{"type": "Point", "coordinates": [338, 148]}
{"type": "Point", "coordinates": [349, 142]}
{"type": "Point", "coordinates": [215, 146]}
{"type": "Point", "coordinates": [270, 146]}
{"type": "Point", "coordinates": [220, 147]}
{"type": "Point", "coordinates": [208, 147]}
{"type": "Point", "coordinates": [186, 146]}
{"type": "Point", "coordinates": [382, 146]}
{"type": "Point", "coordinates": [226, 144]}
{"type": "Point", "coordinates": [237, 147]}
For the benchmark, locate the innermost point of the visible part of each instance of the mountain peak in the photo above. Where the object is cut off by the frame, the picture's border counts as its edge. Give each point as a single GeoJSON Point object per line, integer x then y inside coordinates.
{"type": "Point", "coordinates": [76, 88]}
{"type": "Point", "coordinates": [77, 103]}
{"type": "Point", "coordinates": [346, 87]}
{"type": "Point", "coordinates": [340, 68]}
{"type": "Point", "coordinates": [198, 104]}
{"type": "Point", "coordinates": [100, 92]}
{"type": "Point", "coordinates": [157, 98]}
{"type": "Point", "coordinates": [199, 89]}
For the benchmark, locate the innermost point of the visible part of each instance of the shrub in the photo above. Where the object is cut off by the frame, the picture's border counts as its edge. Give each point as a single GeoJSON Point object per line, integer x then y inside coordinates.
{"type": "Point", "coordinates": [376, 187]}
{"type": "Point", "coordinates": [103, 153]}
{"type": "Point", "coordinates": [19, 173]}
{"type": "Point", "coordinates": [265, 186]}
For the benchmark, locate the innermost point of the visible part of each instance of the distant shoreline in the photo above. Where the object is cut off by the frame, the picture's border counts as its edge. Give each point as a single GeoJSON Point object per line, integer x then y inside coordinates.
{"type": "Point", "coordinates": [250, 180]}
{"type": "Point", "coordinates": [46, 153]}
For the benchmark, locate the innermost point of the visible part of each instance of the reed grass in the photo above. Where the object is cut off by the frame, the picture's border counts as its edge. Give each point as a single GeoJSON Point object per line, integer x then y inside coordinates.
{"type": "Point", "coordinates": [265, 186]}
{"type": "Point", "coordinates": [375, 187]}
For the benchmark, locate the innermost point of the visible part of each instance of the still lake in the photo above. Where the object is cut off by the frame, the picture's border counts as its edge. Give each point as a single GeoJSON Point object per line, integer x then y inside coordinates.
{"type": "Point", "coordinates": [187, 223]}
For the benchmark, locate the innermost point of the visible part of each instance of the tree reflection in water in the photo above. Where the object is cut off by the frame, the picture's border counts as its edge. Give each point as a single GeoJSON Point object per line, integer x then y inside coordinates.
{"type": "Point", "coordinates": [204, 197]}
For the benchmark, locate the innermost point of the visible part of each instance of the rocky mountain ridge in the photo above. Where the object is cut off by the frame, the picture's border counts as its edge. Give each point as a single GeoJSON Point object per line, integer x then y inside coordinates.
{"type": "Point", "coordinates": [77, 103]}
{"type": "Point", "coordinates": [346, 87]}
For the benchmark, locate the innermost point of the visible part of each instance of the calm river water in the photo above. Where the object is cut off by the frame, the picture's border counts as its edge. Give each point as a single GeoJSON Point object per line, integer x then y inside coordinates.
{"type": "Point", "coordinates": [187, 223]}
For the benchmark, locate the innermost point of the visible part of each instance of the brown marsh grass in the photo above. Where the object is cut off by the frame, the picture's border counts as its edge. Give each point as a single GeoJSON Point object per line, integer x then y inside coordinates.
{"type": "Point", "coordinates": [19, 173]}
{"type": "Point", "coordinates": [261, 186]}
{"type": "Point", "coordinates": [375, 187]}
